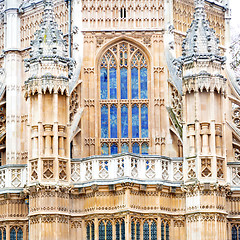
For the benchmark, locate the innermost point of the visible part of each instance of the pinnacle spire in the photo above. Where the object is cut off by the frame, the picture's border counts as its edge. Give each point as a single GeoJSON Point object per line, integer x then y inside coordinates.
{"type": "Point", "coordinates": [48, 14]}
{"type": "Point", "coordinates": [199, 3]}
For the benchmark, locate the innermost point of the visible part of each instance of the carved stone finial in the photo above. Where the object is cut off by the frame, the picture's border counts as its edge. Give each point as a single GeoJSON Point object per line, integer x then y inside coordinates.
{"type": "Point", "coordinates": [199, 3]}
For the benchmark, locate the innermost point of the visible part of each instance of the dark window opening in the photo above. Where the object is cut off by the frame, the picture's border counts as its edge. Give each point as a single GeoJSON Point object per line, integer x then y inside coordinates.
{"type": "Point", "coordinates": [123, 12]}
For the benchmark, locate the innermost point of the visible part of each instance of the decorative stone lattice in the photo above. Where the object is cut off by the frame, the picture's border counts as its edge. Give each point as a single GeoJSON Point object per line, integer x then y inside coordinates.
{"type": "Point", "coordinates": [48, 169]}
{"type": "Point", "coordinates": [75, 172]}
{"type": "Point", "coordinates": [220, 173]}
{"type": "Point", "coordinates": [34, 170]}
{"type": "Point", "coordinates": [191, 169]}
{"type": "Point", "coordinates": [236, 115]}
{"type": "Point", "coordinates": [236, 175]}
{"type": "Point", "coordinates": [177, 171]}
{"type": "Point", "coordinates": [74, 104]}
{"type": "Point", "coordinates": [176, 103]}
{"type": "Point", "coordinates": [103, 169]}
{"type": "Point", "coordinates": [236, 153]}
{"type": "Point", "coordinates": [62, 169]}
{"type": "Point", "coordinates": [120, 170]}
{"type": "Point", "coordinates": [2, 178]}
{"type": "Point", "coordinates": [88, 170]}
{"type": "Point", "coordinates": [134, 167]}
{"type": "Point", "coordinates": [206, 167]}
{"type": "Point", "coordinates": [150, 168]}
{"type": "Point", "coordinates": [16, 177]}
{"type": "Point", "coordinates": [165, 174]}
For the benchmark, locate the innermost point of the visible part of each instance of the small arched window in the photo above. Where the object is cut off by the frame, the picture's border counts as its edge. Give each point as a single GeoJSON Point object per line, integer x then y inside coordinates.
{"type": "Point", "coordinates": [153, 231]}
{"type": "Point", "coordinates": [145, 231]}
{"type": "Point", "coordinates": [135, 230]}
{"type": "Point", "coordinates": [90, 231]}
{"type": "Point", "coordinates": [16, 233]}
{"type": "Point", "coordinates": [2, 234]}
{"type": "Point", "coordinates": [124, 97]}
{"type": "Point", "coordinates": [234, 233]}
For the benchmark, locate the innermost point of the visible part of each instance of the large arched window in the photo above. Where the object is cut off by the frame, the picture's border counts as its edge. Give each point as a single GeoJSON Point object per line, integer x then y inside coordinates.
{"type": "Point", "coordinates": [124, 99]}
{"type": "Point", "coordinates": [105, 230]}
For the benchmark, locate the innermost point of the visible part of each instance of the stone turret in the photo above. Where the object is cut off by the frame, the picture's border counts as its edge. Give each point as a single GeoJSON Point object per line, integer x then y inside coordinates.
{"type": "Point", "coordinates": [49, 149]}
{"type": "Point", "coordinates": [204, 90]}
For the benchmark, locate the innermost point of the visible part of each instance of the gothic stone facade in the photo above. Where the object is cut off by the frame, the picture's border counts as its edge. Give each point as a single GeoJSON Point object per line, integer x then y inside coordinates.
{"type": "Point", "coordinates": [118, 120]}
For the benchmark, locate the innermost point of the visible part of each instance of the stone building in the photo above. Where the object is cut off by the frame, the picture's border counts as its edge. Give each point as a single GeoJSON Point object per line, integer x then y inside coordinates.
{"type": "Point", "coordinates": [119, 120]}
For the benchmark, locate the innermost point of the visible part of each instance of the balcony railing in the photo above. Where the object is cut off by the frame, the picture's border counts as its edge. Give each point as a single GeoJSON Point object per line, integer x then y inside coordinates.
{"type": "Point", "coordinates": [108, 168]}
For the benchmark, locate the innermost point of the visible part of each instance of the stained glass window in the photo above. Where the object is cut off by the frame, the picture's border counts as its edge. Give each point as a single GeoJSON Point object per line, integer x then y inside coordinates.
{"type": "Point", "coordinates": [104, 83]}
{"type": "Point", "coordinates": [101, 231]}
{"type": "Point", "coordinates": [13, 234]}
{"type": "Point", "coordinates": [124, 121]}
{"type": "Point", "coordinates": [88, 231]}
{"type": "Point", "coordinates": [113, 83]}
{"type": "Point", "coordinates": [153, 231]}
{"type": "Point", "coordinates": [4, 234]}
{"type": "Point", "coordinates": [1, 234]}
{"type": "Point", "coordinates": [144, 148]}
{"type": "Point", "coordinates": [124, 89]}
{"type": "Point", "coordinates": [124, 66]}
{"type": "Point", "coordinates": [234, 233]}
{"type": "Point", "coordinates": [113, 121]}
{"type": "Point", "coordinates": [135, 148]}
{"type": "Point", "coordinates": [134, 78]}
{"type": "Point", "coordinates": [125, 148]}
{"type": "Point", "coordinates": [144, 121]}
{"type": "Point", "coordinates": [138, 231]}
{"type": "Point", "coordinates": [135, 121]}
{"type": "Point", "coordinates": [145, 231]}
{"type": "Point", "coordinates": [114, 148]}
{"type": "Point", "coordinates": [117, 231]}
{"type": "Point", "coordinates": [167, 231]}
{"type": "Point", "coordinates": [104, 149]}
{"type": "Point", "coordinates": [109, 230]}
{"type": "Point", "coordinates": [143, 77]}
{"type": "Point", "coordinates": [92, 231]}
{"type": "Point", "coordinates": [20, 234]}
{"type": "Point", "coordinates": [162, 231]}
{"type": "Point", "coordinates": [104, 121]}
{"type": "Point", "coordinates": [123, 230]}
{"type": "Point", "coordinates": [132, 230]}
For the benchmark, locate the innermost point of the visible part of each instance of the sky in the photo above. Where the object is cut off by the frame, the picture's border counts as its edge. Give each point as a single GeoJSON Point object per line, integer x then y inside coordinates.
{"type": "Point", "coordinates": [235, 7]}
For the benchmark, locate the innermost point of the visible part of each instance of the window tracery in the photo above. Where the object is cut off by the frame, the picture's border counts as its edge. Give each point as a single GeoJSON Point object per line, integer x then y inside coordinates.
{"type": "Point", "coordinates": [124, 99]}
{"type": "Point", "coordinates": [2, 234]}
{"type": "Point", "coordinates": [16, 233]}
{"type": "Point", "coordinates": [105, 230]}
{"type": "Point", "coordinates": [135, 229]}
{"type": "Point", "coordinates": [90, 231]}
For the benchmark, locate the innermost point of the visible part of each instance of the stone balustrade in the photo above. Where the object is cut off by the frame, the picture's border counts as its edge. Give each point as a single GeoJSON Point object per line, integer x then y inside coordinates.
{"type": "Point", "coordinates": [13, 176]}
{"type": "Point", "coordinates": [122, 166]}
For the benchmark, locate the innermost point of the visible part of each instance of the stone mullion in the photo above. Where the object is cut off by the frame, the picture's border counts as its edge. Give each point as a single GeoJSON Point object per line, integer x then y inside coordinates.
{"type": "Point", "coordinates": [141, 229]}
{"type": "Point", "coordinates": [96, 237]}
{"type": "Point", "coordinates": [158, 228]}
{"type": "Point", "coordinates": [119, 126]}
{"type": "Point", "coordinates": [140, 123]}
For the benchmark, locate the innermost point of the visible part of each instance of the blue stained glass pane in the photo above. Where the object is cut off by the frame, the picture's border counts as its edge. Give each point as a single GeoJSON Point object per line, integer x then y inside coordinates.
{"type": "Point", "coordinates": [109, 231]}
{"type": "Point", "coordinates": [167, 232]}
{"type": "Point", "coordinates": [145, 231]}
{"type": "Point", "coordinates": [101, 231]}
{"type": "Point", "coordinates": [124, 121]}
{"type": "Point", "coordinates": [162, 231]}
{"type": "Point", "coordinates": [104, 149]}
{"type": "Point", "coordinates": [117, 231]}
{"type": "Point", "coordinates": [114, 148]}
{"type": "Point", "coordinates": [123, 230]}
{"type": "Point", "coordinates": [145, 149]}
{"type": "Point", "coordinates": [134, 79]}
{"type": "Point", "coordinates": [123, 76]}
{"type": "Point", "coordinates": [143, 79]}
{"type": "Point", "coordinates": [104, 122]}
{"type": "Point", "coordinates": [144, 121]}
{"type": "Point", "coordinates": [13, 234]}
{"type": "Point", "coordinates": [88, 232]}
{"type": "Point", "coordinates": [132, 230]}
{"type": "Point", "coordinates": [234, 233]}
{"type": "Point", "coordinates": [93, 231]}
{"type": "Point", "coordinates": [138, 231]}
{"type": "Point", "coordinates": [113, 83]}
{"type": "Point", "coordinates": [135, 121]}
{"type": "Point", "coordinates": [1, 234]}
{"type": "Point", "coordinates": [153, 231]}
{"type": "Point", "coordinates": [103, 80]}
{"type": "Point", "coordinates": [125, 148]}
{"type": "Point", "coordinates": [135, 148]}
{"type": "Point", "coordinates": [113, 121]}
{"type": "Point", "coordinates": [4, 234]}
{"type": "Point", "coordinates": [20, 234]}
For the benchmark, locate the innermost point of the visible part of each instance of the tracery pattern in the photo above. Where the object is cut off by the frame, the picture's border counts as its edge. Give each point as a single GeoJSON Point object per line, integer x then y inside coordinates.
{"type": "Point", "coordinates": [124, 99]}
{"type": "Point", "coordinates": [176, 103]}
